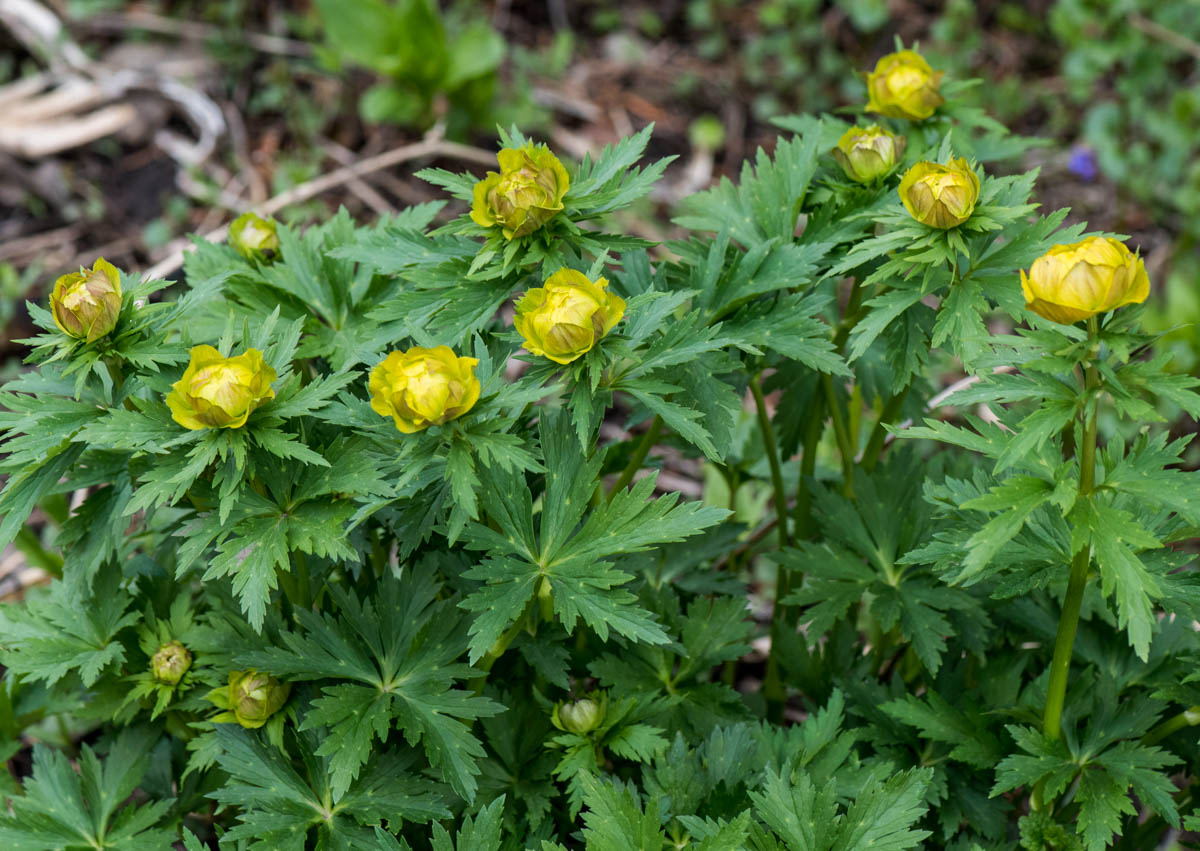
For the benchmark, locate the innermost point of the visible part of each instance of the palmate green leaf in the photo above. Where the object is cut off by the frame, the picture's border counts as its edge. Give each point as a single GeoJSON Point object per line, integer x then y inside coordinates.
{"type": "Point", "coordinates": [862, 560]}
{"type": "Point", "coordinates": [765, 201]}
{"type": "Point", "coordinates": [1016, 498]}
{"type": "Point", "coordinates": [807, 817]}
{"type": "Point", "coordinates": [803, 816]}
{"type": "Point", "coordinates": [569, 557]}
{"type": "Point", "coordinates": [95, 531]}
{"type": "Point", "coordinates": [613, 180]}
{"type": "Point", "coordinates": [942, 722]}
{"type": "Point", "coordinates": [615, 818]}
{"type": "Point", "coordinates": [478, 833]}
{"type": "Point", "coordinates": [1149, 472]}
{"type": "Point", "coordinates": [790, 327]}
{"type": "Point", "coordinates": [1114, 535]}
{"type": "Point", "coordinates": [65, 811]}
{"type": "Point", "coordinates": [398, 649]}
{"type": "Point", "coordinates": [1104, 799]}
{"type": "Point", "coordinates": [278, 807]}
{"type": "Point", "coordinates": [883, 310]}
{"type": "Point", "coordinates": [65, 629]}
{"type": "Point", "coordinates": [26, 488]}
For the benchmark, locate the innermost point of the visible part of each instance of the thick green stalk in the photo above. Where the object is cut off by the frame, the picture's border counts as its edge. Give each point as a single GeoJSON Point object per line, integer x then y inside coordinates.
{"type": "Point", "coordinates": [1186, 718]}
{"type": "Point", "coordinates": [773, 688]}
{"type": "Point", "coordinates": [808, 467]}
{"type": "Point", "coordinates": [874, 449]}
{"type": "Point", "coordinates": [1068, 621]}
{"type": "Point", "coordinates": [639, 455]}
{"type": "Point", "coordinates": [764, 425]}
{"type": "Point", "coordinates": [841, 434]}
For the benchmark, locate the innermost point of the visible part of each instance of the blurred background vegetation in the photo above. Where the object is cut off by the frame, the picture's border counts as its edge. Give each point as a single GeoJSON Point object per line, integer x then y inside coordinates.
{"type": "Point", "coordinates": [227, 104]}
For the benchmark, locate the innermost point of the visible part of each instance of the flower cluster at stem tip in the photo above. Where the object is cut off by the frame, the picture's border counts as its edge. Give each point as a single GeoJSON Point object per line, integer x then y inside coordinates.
{"type": "Point", "coordinates": [1068, 284]}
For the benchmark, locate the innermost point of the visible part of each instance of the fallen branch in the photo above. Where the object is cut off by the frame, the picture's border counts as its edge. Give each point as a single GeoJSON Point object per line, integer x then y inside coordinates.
{"type": "Point", "coordinates": [435, 146]}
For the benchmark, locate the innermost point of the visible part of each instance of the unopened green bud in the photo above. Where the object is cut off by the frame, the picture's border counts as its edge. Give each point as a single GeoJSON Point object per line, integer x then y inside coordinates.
{"type": "Point", "coordinates": [254, 697]}
{"type": "Point", "coordinates": [866, 154]}
{"type": "Point", "coordinates": [580, 716]}
{"type": "Point", "coordinates": [170, 663]}
{"type": "Point", "coordinates": [86, 304]}
{"type": "Point", "coordinates": [254, 238]}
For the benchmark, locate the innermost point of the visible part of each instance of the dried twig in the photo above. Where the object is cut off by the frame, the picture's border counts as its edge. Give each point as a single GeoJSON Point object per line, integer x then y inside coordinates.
{"type": "Point", "coordinates": [121, 22]}
{"type": "Point", "coordinates": [1165, 34]}
{"type": "Point", "coordinates": [431, 146]}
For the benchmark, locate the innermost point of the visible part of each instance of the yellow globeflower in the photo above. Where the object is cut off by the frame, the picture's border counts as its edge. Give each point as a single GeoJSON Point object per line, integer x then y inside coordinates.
{"type": "Point", "coordinates": [526, 194]}
{"type": "Point", "coordinates": [868, 153]}
{"type": "Point", "coordinates": [423, 387]}
{"type": "Point", "coordinates": [255, 238]}
{"type": "Point", "coordinates": [86, 304]}
{"type": "Point", "coordinates": [220, 392]}
{"type": "Point", "coordinates": [904, 86]}
{"type": "Point", "coordinates": [941, 196]}
{"type": "Point", "coordinates": [1073, 282]}
{"type": "Point", "coordinates": [567, 315]}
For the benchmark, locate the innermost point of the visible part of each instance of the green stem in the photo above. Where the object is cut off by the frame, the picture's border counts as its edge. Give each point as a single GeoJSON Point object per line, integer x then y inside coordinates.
{"type": "Point", "coordinates": [497, 650]}
{"type": "Point", "coordinates": [874, 449]}
{"type": "Point", "coordinates": [303, 582]}
{"type": "Point", "coordinates": [764, 425]}
{"type": "Point", "coordinates": [808, 467]}
{"type": "Point", "coordinates": [841, 434]}
{"type": "Point", "coordinates": [1068, 621]}
{"type": "Point", "coordinates": [773, 689]}
{"type": "Point", "coordinates": [639, 455]}
{"type": "Point", "coordinates": [28, 543]}
{"type": "Point", "coordinates": [1187, 718]}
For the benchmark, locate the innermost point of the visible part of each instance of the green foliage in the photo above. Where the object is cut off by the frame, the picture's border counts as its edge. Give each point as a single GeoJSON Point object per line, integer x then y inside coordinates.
{"type": "Point", "coordinates": [895, 618]}
{"type": "Point", "coordinates": [422, 54]}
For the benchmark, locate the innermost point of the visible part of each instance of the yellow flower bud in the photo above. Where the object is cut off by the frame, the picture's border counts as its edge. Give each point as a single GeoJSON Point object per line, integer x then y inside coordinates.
{"type": "Point", "coordinates": [170, 663]}
{"type": "Point", "coordinates": [254, 697]}
{"type": "Point", "coordinates": [86, 304]}
{"type": "Point", "coordinates": [220, 392]}
{"type": "Point", "coordinates": [904, 86]}
{"type": "Point", "coordinates": [941, 196]}
{"type": "Point", "coordinates": [1073, 282]}
{"type": "Point", "coordinates": [867, 154]}
{"type": "Point", "coordinates": [567, 315]}
{"type": "Point", "coordinates": [423, 387]}
{"type": "Point", "coordinates": [254, 238]}
{"type": "Point", "coordinates": [526, 194]}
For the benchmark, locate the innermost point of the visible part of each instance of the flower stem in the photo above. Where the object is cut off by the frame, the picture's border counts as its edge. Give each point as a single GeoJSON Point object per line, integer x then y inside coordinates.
{"type": "Point", "coordinates": [841, 434]}
{"type": "Point", "coordinates": [639, 455]}
{"type": "Point", "coordinates": [1068, 621]}
{"type": "Point", "coordinates": [874, 449]}
{"type": "Point", "coordinates": [773, 688]}
{"type": "Point", "coordinates": [1187, 718]}
{"type": "Point", "coordinates": [813, 430]}
{"type": "Point", "coordinates": [768, 436]}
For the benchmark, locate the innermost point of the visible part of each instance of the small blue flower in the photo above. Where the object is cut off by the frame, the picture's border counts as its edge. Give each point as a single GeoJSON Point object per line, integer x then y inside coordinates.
{"type": "Point", "coordinates": [1083, 163]}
